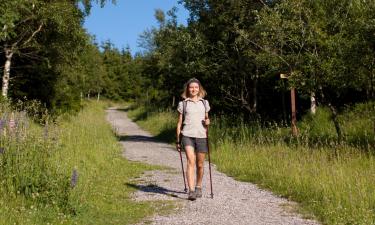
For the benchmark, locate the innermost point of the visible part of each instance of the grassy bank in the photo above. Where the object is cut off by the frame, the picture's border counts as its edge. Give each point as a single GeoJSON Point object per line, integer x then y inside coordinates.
{"type": "Point", "coordinates": [69, 173]}
{"type": "Point", "coordinates": [333, 181]}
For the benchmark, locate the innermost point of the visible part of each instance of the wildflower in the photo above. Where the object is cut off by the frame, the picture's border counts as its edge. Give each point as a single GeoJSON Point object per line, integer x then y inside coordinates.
{"type": "Point", "coordinates": [2, 150]}
{"type": "Point", "coordinates": [2, 125]}
{"type": "Point", "coordinates": [45, 131]}
{"type": "Point", "coordinates": [74, 178]}
{"type": "Point", "coordinates": [12, 124]}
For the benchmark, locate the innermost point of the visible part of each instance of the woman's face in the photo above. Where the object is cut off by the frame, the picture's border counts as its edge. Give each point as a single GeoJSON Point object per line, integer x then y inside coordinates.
{"type": "Point", "coordinates": [193, 89]}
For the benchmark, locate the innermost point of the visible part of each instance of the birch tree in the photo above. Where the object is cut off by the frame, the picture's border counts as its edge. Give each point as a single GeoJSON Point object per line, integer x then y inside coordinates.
{"type": "Point", "coordinates": [21, 21]}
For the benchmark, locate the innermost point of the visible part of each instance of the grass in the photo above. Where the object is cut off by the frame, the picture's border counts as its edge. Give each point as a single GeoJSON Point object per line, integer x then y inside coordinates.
{"type": "Point", "coordinates": [333, 181]}
{"type": "Point", "coordinates": [337, 189]}
{"type": "Point", "coordinates": [39, 178]}
{"type": "Point", "coordinates": [162, 123]}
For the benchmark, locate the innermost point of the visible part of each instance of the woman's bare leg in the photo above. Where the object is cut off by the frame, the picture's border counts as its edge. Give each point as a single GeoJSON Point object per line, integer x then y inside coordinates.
{"type": "Point", "coordinates": [200, 164]}
{"type": "Point", "coordinates": [190, 155]}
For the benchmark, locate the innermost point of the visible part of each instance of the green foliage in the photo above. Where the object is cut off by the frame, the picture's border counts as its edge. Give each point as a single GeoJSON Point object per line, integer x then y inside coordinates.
{"type": "Point", "coordinates": [358, 125]}
{"type": "Point", "coordinates": [318, 127]}
{"type": "Point", "coordinates": [236, 48]}
{"type": "Point", "coordinates": [37, 184]}
{"type": "Point", "coordinates": [239, 48]}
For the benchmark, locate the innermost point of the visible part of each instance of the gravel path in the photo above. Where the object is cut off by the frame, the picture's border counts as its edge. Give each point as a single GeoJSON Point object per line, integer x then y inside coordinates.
{"type": "Point", "coordinates": [234, 202]}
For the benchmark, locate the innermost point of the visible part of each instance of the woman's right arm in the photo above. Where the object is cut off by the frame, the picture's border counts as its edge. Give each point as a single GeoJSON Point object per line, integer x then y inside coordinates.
{"type": "Point", "coordinates": [178, 132]}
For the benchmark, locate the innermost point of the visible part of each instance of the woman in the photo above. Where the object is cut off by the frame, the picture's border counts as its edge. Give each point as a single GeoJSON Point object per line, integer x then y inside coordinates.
{"type": "Point", "coordinates": [191, 133]}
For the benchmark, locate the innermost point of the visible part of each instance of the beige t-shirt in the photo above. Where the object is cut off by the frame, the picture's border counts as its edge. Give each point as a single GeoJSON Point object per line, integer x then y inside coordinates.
{"type": "Point", "coordinates": [194, 115]}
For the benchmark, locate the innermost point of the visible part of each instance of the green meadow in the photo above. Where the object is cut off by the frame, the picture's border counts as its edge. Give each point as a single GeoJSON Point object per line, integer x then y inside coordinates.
{"type": "Point", "coordinates": [68, 172]}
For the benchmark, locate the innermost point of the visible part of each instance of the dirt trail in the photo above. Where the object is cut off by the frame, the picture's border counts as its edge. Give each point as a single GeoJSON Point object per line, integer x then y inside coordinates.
{"type": "Point", "coordinates": [234, 202]}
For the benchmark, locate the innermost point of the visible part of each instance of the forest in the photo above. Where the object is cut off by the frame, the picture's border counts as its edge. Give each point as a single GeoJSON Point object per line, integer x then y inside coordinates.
{"type": "Point", "coordinates": [238, 49]}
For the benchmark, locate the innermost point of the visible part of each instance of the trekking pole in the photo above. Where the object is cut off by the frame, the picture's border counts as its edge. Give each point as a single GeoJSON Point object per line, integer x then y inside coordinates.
{"type": "Point", "coordinates": [209, 161]}
{"type": "Point", "coordinates": [182, 167]}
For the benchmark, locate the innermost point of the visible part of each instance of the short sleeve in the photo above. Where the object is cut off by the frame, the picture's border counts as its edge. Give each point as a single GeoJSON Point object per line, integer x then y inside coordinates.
{"type": "Point", "coordinates": [180, 107]}
{"type": "Point", "coordinates": [207, 106]}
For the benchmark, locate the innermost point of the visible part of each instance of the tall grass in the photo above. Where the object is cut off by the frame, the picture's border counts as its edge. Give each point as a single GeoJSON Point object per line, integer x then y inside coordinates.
{"type": "Point", "coordinates": [337, 189]}
{"type": "Point", "coordinates": [28, 176]}
{"type": "Point", "coordinates": [69, 173]}
{"type": "Point", "coordinates": [332, 180]}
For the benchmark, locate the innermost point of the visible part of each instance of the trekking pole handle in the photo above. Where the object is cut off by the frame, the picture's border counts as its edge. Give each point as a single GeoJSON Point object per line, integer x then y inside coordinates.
{"type": "Point", "coordinates": [178, 146]}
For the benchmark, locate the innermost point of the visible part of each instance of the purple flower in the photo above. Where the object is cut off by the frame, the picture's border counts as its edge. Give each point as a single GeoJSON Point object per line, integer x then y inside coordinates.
{"type": "Point", "coordinates": [74, 178]}
{"type": "Point", "coordinates": [2, 125]}
{"type": "Point", "coordinates": [2, 150]}
{"type": "Point", "coordinates": [45, 131]}
{"type": "Point", "coordinates": [12, 124]}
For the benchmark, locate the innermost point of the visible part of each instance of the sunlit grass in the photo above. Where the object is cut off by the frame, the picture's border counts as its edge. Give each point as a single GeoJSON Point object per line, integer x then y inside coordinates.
{"type": "Point", "coordinates": [337, 189]}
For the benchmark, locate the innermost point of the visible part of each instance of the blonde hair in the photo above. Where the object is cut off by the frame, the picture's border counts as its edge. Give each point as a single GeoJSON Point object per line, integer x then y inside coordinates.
{"type": "Point", "coordinates": [202, 93]}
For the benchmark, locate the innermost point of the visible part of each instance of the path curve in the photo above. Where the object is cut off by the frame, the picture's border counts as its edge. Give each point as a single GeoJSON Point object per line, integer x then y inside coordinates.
{"type": "Point", "coordinates": [234, 202]}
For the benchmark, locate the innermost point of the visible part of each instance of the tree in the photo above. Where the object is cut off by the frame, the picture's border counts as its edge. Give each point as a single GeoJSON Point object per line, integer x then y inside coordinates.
{"type": "Point", "coordinates": [230, 57]}
{"type": "Point", "coordinates": [51, 50]}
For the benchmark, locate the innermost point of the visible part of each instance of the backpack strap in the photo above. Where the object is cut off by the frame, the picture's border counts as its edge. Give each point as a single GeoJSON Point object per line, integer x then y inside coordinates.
{"type": "Point", "coordinates": [184, 104]}
{"type": "Point", "coordinates": [205, 105]}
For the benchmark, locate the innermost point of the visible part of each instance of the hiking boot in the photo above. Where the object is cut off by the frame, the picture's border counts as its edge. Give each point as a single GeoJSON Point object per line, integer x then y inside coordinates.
{"type": "Point", "coordinates": [198, 192]}
{"type": "Point", "coordinates": [191, 195]}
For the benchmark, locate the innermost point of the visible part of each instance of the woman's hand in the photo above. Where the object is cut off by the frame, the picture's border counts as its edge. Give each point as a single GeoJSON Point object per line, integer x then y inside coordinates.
{"type": "Point", "coordinates": [207, 121]}
{"type": "Point", "coordinates": [178, 146]}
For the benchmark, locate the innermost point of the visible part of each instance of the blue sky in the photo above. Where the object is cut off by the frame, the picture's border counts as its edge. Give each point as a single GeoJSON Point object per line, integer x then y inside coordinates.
{"type": "Point", "coordinates": [124, 22]}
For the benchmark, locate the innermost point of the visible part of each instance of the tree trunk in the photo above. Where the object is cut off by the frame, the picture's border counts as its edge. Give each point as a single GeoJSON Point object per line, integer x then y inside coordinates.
{"type": "Point", "coordinates": [334, 115]}
{"type": "Point", "coordinates": [255, 90]}
{"type": "Point", "coordinates": [283, 92]}
{"type": "Point", "coordinates": [336, 122]}
{"type": "Point", "coordinates": [372, 93]}
{"type": "Point", "coordinates": [6, 75]}
{"type": "Point", "coordinates": [313, 103]}
{"type": "Point", "coordinates": [294, 113]}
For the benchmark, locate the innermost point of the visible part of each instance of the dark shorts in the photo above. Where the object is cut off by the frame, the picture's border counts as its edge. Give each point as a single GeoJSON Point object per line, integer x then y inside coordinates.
{"type": "Point", "coordinates": [199, 144]}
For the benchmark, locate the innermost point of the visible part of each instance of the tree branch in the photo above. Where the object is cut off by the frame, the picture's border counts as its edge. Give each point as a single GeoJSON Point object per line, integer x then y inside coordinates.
{"type": "Point", "coordinates": [263, 3]}
{"type": "Point", "coordinates": [263, 49]}
{"type": "Point", "coordinates": [33, 34]}
{"type": "Point", "coordinates": [233, 98]}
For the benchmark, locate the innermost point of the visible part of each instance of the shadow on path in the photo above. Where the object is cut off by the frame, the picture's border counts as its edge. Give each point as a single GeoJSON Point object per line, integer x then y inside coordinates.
{"type": "Point", "coordinates": [137, 138]}
{"type": "Point", "coordinates": [125, 109]}
{"type": "Point", "coordinates": [153, 188]}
